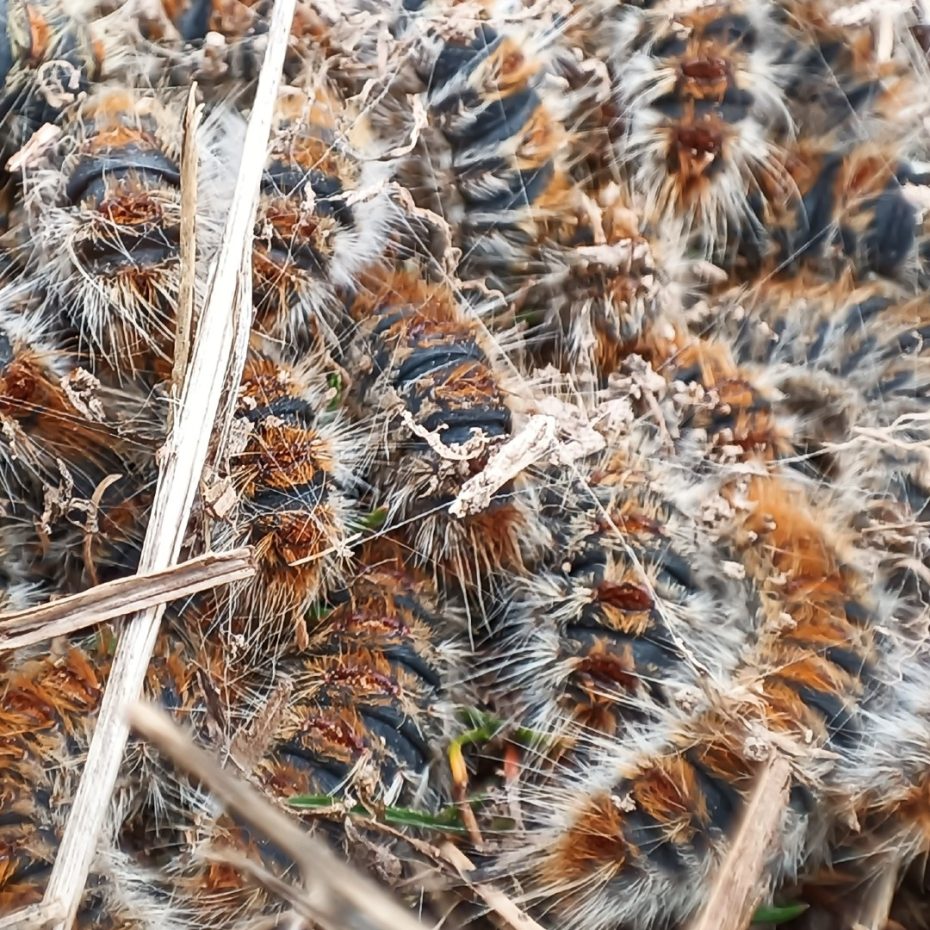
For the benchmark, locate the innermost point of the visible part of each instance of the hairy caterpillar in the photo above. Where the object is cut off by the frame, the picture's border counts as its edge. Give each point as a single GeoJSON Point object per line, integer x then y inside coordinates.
{"type": "Point", "coordinates": [104, 217]}
{"type": "Point", "coordinates": [617, 623]}
{"type": "Point", "coordinates": [855, 210]}
{"type": "Point", "coordinates": [47, 710]}
{"type": "Point", "coordinates": [323, 215]}
{"type": "Point", "coordinates": [359, 716]}
{"type": "Point", "coordinates": [440, 408]}
{"type": "Point", "coordinates": [637, 840]}
{"type": "Point", "coordinates": [567, 255]}
{"type": "Point", "coordinates": [292, 469]}
{"type": "Point", "coordinates": [703, 98]}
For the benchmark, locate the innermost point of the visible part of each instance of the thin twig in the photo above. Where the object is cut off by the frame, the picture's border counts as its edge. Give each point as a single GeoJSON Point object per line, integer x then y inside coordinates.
{"type": "Point", "coordinates": [737, 891]}
{"type": "Point", "coordinates": [496, 900]}
{"type": "Point", "coordinates": [34, 917]}
{"type": "Point", "coordinates": [122, 596]}
{"type": "Point", "coordinates": [334, 894]}
{"type": "Point", "coordinates": [183, 459]}
{"type": "Point", "coordinates": [185, 313]}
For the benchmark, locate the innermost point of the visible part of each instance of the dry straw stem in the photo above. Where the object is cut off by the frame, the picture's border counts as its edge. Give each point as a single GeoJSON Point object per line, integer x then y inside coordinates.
{"type": "Point", "coordinates": [737, 889]}
{"type": "Point", "coordinates": [185, 312]}
{"type": "Point", "coordinates": [33, 917]}
{"type": "Point", "coordinates": [123, 596]}
{"type": "Point", "coordinates": [183, 458]}
{"type": "Point", "coordinates": [534, 441]}
{"type": "Point", "coordinates": [333, 895]}
{"type": "Point", "coordinates": [495, 899]}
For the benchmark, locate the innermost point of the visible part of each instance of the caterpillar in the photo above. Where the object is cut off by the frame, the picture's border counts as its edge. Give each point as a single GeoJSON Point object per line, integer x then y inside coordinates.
{"type": "Point", "coordinates": [569, 257]}
{"type": "Point", "coordinates": [884, 834]}
{"type": "Point", "coordinates": [702, 93]}
{"type": "Point", "coordinates": [733, 113]}
{"type": "Point", "coordinates": [75, 461]}
{"type": "Point", "coordinates": [358, 716]}
{"type": "Point", "coordinates": [324, 214]}
{"type": "Point", "coordinates": [41, 424]}
{"type": "Point", "coordinates": [293, 472]}
{"type": "Point", "coordinates": [616, 624]}
{"type": "Point", "coordinates": [503, 140]}
{"type": "Point", "coordinates": [439, 408]}
{"type": "Point", "coordinates": [104, 218]}
{"type": "Point", "coordinates": [371, 686]}
{"type": "Point", "coordinates": [855, 211]}
{"type": "Point", "coordinates": [852, 367]}
{"type": "Point", "coordinates": [636, 840]}
{"type": "Point", "coordinates": [47, 708]}
{"type": "Point", "coordinates": [847, 363]}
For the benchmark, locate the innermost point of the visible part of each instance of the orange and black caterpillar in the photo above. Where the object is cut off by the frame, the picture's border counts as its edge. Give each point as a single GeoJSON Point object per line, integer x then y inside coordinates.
{"type": "Point", "coordinates": [292, 470]}
{"type": "Point", "coordinates": [851, 160]}
{"type": "Point", "coordinates": [323, 215]}
{"type": "Point", "coordinates": [439, 409]}
{"type": "Point", "coordinates": [626, 613]}
{"type": "Point", "coordinates": [359, 716]}
{"type": "Point", "coordinates": [103, 219]}
{"type": "Point", "coordinates": [637, 842]}
{"type": "Point", "coordinates": [703, 111]}
{"type": "Point", "coordinates": [369, 707]}
{"type": "Point", "coordinates": [854, 209]}
{"type": "Point", "coordinates": [505, 146]}
{"type": "Point", "coordinates": [849, 366]}
{"type": "Point", "coordinates": [48, 704]}
{"type": "Point", "coordinates": [736, 117]}
{"type": "Point", "coordinates": [717, 410]}
{"type": "Point", "coordinates": [42, 426]}
{"type": "Point", "coordinates": [76, 478]}
{"type": "Point", "coordinates": [563, 255]}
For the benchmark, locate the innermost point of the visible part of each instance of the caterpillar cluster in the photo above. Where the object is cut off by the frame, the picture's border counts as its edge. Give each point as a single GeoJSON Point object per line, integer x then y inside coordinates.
{"type": "Point", "coordinates": [581, 444]}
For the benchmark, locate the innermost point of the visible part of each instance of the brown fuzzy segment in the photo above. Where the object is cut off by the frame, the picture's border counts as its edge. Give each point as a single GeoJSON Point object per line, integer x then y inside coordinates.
{"type": "Point", "coordinates": [44, 425]}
